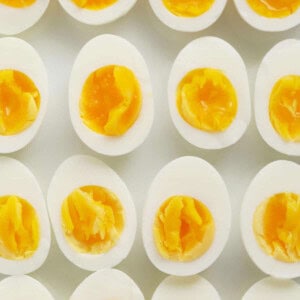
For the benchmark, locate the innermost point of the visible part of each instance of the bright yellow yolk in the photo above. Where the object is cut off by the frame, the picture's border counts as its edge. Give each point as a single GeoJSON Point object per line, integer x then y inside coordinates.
{"type": "Point", "coordinates": [274, 8]}
{"type": "Point", "coordinates": [207, 100]}
{"type": "Point", "coordinates": [92, 219]}
{"type": "Point", "coordinates": [17, 3]}
{"type": "Point", "coordinates": [188, 8]}
{"type": "Point", "coordinates": [94, 4]}
{"type": "Point", "coordinates": [183, 229]}
{"type": "Point", "coordinates": [19, 228]}
{"type": "Point", "coordinates": [284, 107]}
{"type": "Point", "coordinates": [111, 100]}
{"type": "Point", "coordinates": [277, 228]}
{"type": "Point", "coordinates": [19, 102]}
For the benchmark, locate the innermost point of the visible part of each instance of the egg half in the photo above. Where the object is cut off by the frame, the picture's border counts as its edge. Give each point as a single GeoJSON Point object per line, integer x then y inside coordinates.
{"type": "Point", "coordinates": [110, 96]}
{"type": "Point", "coordinates": [208, 94]}
{"type": "Point", "coordinates": [187, 216]}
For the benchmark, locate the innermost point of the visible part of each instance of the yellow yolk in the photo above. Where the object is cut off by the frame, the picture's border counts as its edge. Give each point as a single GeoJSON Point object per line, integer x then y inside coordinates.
{"type": "Point", "coordinates": [284, 107]}
{"type": "Point", "coordinates": [274, 8]}
{"type": "Point", "coordinates": [94, 4]}
{"type": "Point", "coordinates": [277, 228]}
{"type": "Point", "coordinates": [183, 229]}
{"type": "Point", "coordinates": [19, 228]}
{"type": "Point", "coordinates": [17, 3]}
{"type": "Point", "coordinates": [19, 102]}
{"type": "Point", "coordinates": [188, 8]}
{"type": "Point", "coordinates": [92, 219]}
{"type": "Point", "coordinates": [111, 100]}
{"type": "Point", "coordinates": [207, 100]}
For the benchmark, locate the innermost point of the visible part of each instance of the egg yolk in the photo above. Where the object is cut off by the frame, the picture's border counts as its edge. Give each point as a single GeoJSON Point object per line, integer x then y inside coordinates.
{"type": "Point", "coordinates": [184, 229]}
{"type": "Point", "coordinates": [94, 4]}
{"type": "Point", "coordinates": [284, 107]}
{"type": "Point", "coordinates": [18, 3]}
{"type": "Point", "coordinates": [274, 8]}
{"type": "Point", "coordinates": [188, 8]}
{"type": "Point", "coordinates": [19, 102]}
{"type": "Point", "coordinates": [207, 100]}
{"type": "Point", "coordinates": [277, 228]}
{"type": "Point", "coordinates": [19, 228]}
{"type": "Point", "coordinates": [110, 101]}
{"type": "Point", "coordinates": [92, 219]}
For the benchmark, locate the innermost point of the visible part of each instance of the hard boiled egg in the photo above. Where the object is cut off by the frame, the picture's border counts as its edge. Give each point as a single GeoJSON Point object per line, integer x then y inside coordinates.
{"type": "Point", "coordinates": [24, 225]}
{"type": "Point", "coordinates": [186, 218]}
{"type": "Point", "coordinates": [110, 96]}
{"type": "Point", "coordinates": [277, 97]}
{"type": "Point", "coordinates": [208, 93]}
{"type": "Point", "coordinates": [92, 214]}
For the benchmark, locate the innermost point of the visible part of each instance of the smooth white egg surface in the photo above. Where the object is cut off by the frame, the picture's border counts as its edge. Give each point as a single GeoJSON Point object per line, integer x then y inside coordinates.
{"type": "Point", "coordinates": [108, 284]}
{"type": "Point", "coordinates": [182, 288]}
{"type": "Point", "coordinates": [110, 96]}
{"type": "Point", "coordinates": [208, 92]}
{"type": "Point", "coordinates": [187, 216]}
{"type": "Point", "coordinates": [92, 213]}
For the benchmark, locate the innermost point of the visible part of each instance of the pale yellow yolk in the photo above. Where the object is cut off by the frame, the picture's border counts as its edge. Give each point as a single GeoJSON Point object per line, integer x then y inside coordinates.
{"type": "Point", "coordinates": [184, 229]}
{"type": "Point", "coordinates": [17, 3]}
{"type": "Point", "coordinates": [92, 219]}
{"type": "Point", "coordinates": [188, 8]}
{"type": "Point", "coordinates": [284, 107]}
{"type": "Point", "coordinates": [274, 8]}
{"type": "Point", "coordinates": [94, 4]}
{"type": "Point", "coordinates": [19, 228]}
{"type": "Point", "coordinates": [19, 102]}
{"type": "Point", "coordinates": [207, 100]}
{"type": "Point", "coordinates": [111, 100]}
{"type": "Point", "coordinates": [277, 228]}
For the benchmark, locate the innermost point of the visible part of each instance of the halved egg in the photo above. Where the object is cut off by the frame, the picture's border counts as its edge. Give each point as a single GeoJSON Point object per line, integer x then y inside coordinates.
{"type": "Point", "coordinates": [275, 289]}
{"type": "Point", "coordinates": [18, 15]}
{"type": "Point", "coordinates": [182, 288]}
{"type": "Point", "coordinates": [110, 96]}
{"type": "Point", "coordinates": [208, 91]}
{"type": "Point", "coordinates": [270, 15]}
{"type": "Point", "coordinates": [270, 219]}
{"type": "Point", "coordinates": [23, 93]}
{"type": "Point", "coordinates": [23, 288]}
{"type": "Point", "coordinates": [187, 216]}
{"type": "Point", "coordinates": [108, 284]}
{"type": "Point", "coordinates": [92, 214]}
{"type": "Point", "coordinates": [24, 225]}
{"type": "Point", "coordinates": [277, 97]}
{"type": "Point", "coordinates": [188, 15]}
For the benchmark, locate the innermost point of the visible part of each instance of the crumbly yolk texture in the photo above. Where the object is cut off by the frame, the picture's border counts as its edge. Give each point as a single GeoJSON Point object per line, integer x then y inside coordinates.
{"type": "Point", "coordinates": [94, 4]}
{"type": "Point", "coordinates": [17, 3]}
{"type": "Point", "coordinates": [184, 229]}
{"type": "Point", "coordinates": [188, 8]}
{"type": "Point", "coordinates": [19, 228]}
{"type": "Point", "coordinates": [111, 100]}
{"type": "Point", "coordinates": [277, 228]}
{"type": "Point", "coordinates": [284, 107]}
{"type": "Point", "coordinates": [19, 102]}
{"type": "Point", "coordinates": [92, 219]}
{"type": "Point", "coordinates": [274, 8]}
{"type": "Point", "coordinates": [207, 100]}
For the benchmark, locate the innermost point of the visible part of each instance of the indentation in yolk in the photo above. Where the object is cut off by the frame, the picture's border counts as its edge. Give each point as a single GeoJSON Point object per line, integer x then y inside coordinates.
{"type": "Point", "coordinates": [284, 107]}
{"type": "Point", "coordinates": [188, 8]}
{"type": "Point", "coordinates": [274, 8]}
{"type": "Point", "coordinates": [19, 102]}
{"type": "Point", "coordinates": [277, 228]}
{"type": "Point", "coordinates": [111, 100]}
{"type": "Point", "coordinates": [19, 228]}
{"type": "Point", "coordinates": [94, 4]}
{"type": "Point", "coordinates": [207, 100]}
{"type": "Point", "coordinates": [92, 219]}
{"type": "Point", "coordinates": [184, 229]}
{"type": "Point", "coordinates": [18, 3]}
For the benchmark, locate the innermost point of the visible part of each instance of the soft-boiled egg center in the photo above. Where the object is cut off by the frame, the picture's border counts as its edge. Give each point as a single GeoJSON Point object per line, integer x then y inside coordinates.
{"type": "Point", "coordinates": [111, 100]}
{"type": "Point", "coordinates": [183, 229]}
{"type": "Point", "coordinates": [94, 4]}
{"type": "Point", "coordinates": [92, 219]}
{"type": "Point", "coordinates": [19, 102]}
{"type": "Point", "coordinates": [274, 8]}
{"type": "Point", "coordinates": [17, 3]}
{"type": "Point", "coordinates": [277, 228]}
{"type": "Point", "coordinates": [207, 100]}
{"type": "Point", "coordinates": [19, 228]}
{"type": "Point", "coordinates": [284, 107]}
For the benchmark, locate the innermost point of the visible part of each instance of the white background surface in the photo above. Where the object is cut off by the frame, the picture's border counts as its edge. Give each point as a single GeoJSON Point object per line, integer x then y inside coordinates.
{"type": "Point", "coordinates": [58, 38]}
